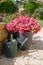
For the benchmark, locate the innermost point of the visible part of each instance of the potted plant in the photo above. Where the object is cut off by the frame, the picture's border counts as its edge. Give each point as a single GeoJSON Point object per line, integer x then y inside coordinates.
{"type": "Point", "coordinates": [3, 33]}
{"type": "Point", "coordinates": [26, 26]}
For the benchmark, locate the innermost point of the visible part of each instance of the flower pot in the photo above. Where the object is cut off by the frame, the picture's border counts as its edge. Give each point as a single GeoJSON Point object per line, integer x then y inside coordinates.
{"type": "Point", "coordinates": [3, 36]}
{"type": "Point", "coordinates": [25, 40]}
{"type": "Point", "coordinates": [3, 32]}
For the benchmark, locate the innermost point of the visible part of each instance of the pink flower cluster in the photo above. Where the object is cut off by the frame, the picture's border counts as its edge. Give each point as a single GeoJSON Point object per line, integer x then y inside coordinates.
{"type": "Point", "coordinates": [22, 24]}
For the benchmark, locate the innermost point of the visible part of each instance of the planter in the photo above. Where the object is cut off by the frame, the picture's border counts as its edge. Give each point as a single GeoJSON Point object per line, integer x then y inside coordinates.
{"type": "Point", "coordinates": [3, 32]}
{"type": "Point", "coordinates": [25, 40]}
{"type": "Point", "coordinates": [3, 36]}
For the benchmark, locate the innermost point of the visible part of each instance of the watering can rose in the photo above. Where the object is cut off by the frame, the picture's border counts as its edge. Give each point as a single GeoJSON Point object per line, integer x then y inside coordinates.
{"type": "Point", "coordinates": [22, 24]}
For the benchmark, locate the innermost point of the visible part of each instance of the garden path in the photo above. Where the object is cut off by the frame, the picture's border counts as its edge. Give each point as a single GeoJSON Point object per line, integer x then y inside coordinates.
{"type": "Point", "coordinates": [33, 56]}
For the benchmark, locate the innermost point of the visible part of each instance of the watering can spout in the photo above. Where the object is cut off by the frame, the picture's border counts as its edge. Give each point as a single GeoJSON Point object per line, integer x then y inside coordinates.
{"type": "Point", "coordinates": [23, 43]}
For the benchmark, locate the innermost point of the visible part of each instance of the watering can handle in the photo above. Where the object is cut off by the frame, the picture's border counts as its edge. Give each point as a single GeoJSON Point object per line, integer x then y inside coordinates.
{"type": "Point", "coordinates": [11, 37]}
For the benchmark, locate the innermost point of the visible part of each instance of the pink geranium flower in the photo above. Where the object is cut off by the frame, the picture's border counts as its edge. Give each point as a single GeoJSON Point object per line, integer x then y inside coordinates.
{"type": "Point", "coordinates": [22, 24]}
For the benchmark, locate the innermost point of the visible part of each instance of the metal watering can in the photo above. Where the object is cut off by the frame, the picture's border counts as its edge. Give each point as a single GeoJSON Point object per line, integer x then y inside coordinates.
{"type": "Point", "coordinates": [22, 41]}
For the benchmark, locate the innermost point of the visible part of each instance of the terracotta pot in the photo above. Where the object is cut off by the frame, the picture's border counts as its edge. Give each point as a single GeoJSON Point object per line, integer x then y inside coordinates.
{"type": "Point", "coordinates": [3, 32]}
{"type": "Point", "coordinates": [3, 36]}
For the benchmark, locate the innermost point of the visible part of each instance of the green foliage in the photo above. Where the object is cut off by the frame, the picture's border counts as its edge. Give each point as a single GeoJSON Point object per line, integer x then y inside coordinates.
{"type": "Point", "coordinates": [41, 22]}
{"type": "Point", "coordinates": [30, 7]}
{"type": "Point", "coordinates": [7, 9]}
{"type": "Point", "coordinates": [8, 6]}
{"type": "Point", "coordinates": [7, 17]}
{"type": "Point", "coordinates": [32, 0]}
{"type": "Point", "coordinates": [41, 4]}
{"type": "Point", "coordinates": [39, 13]}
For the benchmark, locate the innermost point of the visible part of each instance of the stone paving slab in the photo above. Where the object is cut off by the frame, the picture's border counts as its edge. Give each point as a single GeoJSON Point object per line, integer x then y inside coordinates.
{"type": "Point", "coordinates": [33, 56]}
